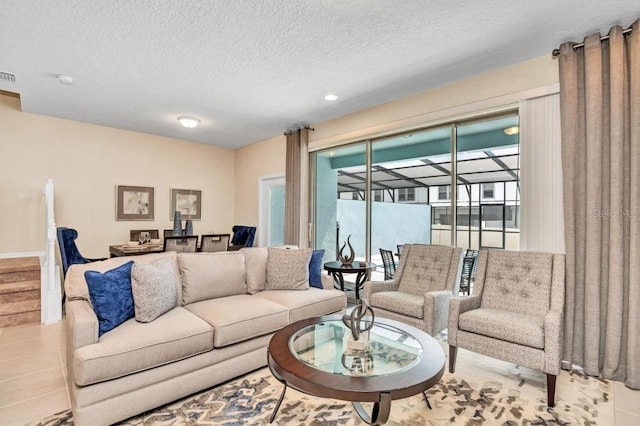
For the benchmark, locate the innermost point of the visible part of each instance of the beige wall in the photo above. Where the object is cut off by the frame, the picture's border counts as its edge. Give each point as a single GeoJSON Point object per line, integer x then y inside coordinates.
{"type": "Point", "coordinates": [268, 157]}
{"type": "Point", "coordinates": [86, 162]}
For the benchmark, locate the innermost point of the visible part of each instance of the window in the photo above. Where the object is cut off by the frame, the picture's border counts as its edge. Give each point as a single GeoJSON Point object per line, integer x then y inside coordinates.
{"type": "Point", "coordinates": [377, 195]}
{"type": "Point", "coordinates": [406, 194]}
{"type": "Point", "coordinates": [488, 190]}
{"type": "Point", "coordinates": [444, 193]}
{"type": "Point", "coordinates": [354, 196]}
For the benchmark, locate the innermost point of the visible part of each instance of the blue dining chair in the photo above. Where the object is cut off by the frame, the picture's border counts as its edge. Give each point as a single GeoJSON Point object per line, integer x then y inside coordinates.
{"type": "Point", "coordinates": [243, 235]}
{"type": "Point", "coordinates": [69, 252]}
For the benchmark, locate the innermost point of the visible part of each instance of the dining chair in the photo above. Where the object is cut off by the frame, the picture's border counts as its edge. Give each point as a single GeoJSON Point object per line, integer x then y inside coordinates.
{"type": "Point", "coordinates": [167, 233]}
{"type": "Point", "coordinates": [69, 253]}
{"type": "Point", "coordinates": [214, 242]}
{"type": "Point", "coordinates": [400, 249]}
{"type": "Point", "coordinates": [181, 244]}
{"type": "Point", "coordinates": [135, 233]}
{"type": "Point", "coordinates": [389, 264]}
{"type": "Point", "coordinates": [243, 235]}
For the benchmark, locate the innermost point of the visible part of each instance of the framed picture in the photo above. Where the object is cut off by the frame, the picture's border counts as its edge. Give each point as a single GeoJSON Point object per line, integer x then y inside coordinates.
{"type": "Point", "coordinates": [188, 202]}
{"type": "Point", "coordinates": [134, 202]}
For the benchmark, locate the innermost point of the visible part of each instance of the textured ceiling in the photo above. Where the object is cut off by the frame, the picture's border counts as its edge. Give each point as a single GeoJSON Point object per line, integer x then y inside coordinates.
{"type": "Point", "coordinates": [249, 69]}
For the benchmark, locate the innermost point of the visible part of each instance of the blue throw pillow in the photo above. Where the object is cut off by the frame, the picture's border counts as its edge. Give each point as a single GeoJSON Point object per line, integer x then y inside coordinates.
{"type": "Point", "coordinates": [315, 269]}
{"type": "Point", "coordinates": [111, 296]}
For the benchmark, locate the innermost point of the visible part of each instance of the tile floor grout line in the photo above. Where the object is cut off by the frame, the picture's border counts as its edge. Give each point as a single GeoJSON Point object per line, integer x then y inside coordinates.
{"type": "Point", "coordinates": [24, 356]}
{"type": "Point", "coordinates": [29, 399]}
{"type": "Point", "coordinates": [64, 376]}
{"type": "Point", "coordinates": [626, 412]}
{"type": "Point", "coordinates": [28, 374]}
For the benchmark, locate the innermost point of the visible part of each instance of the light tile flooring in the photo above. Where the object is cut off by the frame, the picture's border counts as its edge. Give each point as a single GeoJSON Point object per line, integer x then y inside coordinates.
{"type": "Point", "coordinates": [32, 377]}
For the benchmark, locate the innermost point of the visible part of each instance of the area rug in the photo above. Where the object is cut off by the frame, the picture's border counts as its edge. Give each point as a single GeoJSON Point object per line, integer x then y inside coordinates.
{"type": "Point", "coordinates": [482, 391]}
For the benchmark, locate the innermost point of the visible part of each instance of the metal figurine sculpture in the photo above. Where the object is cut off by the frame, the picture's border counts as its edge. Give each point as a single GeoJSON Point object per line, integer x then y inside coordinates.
{"type": "Point", "coordinates": [354, 321]}
{"type": "Point", "coordinates": [347, 260]}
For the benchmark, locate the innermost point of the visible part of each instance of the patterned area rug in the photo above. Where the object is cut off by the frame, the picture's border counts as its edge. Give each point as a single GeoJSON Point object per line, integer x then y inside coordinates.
{"type": "Point", "coordinates": [483, 391]}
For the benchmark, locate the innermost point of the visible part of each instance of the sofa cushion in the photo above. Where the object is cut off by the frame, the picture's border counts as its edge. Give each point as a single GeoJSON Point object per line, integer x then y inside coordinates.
{"type": "Point", "coordinates": [111, 297]}
{"type": "Point", "coordinates": [510, 326]}
{"type": "Point", "coordinates": [288, 269]}
{"type": "Point", "coordinates": [154, 289]}
{"type": "Point", "coordinates": [211, 275]}
{"type": "Point", "coordinates": [255, 261]}
{"type": "Point", "coordinates": [136, 346]}
{"type": "Point", "coordinates": [76, 286]}
{"type": "Point", "coordinates": [241, 317]}
{"type": "Point", "coordinates": [307, 304]}
{"type": "Point", "coordinates": [399, 302]}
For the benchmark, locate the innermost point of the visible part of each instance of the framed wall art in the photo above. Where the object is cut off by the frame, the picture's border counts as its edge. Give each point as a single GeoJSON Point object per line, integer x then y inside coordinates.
{"type": "Point", "coordinates": [134, 202]}
{"type": "Point", "coordinates": [188, 202]}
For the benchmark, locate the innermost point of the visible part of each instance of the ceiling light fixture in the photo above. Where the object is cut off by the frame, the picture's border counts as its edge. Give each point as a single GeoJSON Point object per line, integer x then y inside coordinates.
{"type": "Point", "coordinates": [330, 97]}
{"type": "Point", "coordinates": [512, 130]}
{"type": "Point", "coordinates": [189, 122]}
{"type": "Point", "coordinates": [65, 79]}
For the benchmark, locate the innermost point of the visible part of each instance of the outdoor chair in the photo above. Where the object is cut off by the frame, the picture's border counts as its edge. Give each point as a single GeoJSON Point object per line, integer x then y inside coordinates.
{"type": "Point", "coordinates": [389, 264]}
{"type": "Point", "coordinates": [469, 266]}
{"type": "Point", "coordinates": [515, 313]}
{"type": "Point", "coordinates": [419, 293]}
{"type": "Point", "coordinates": [181, 244]}
{"type": "Point", "coordinates": [214, 242]}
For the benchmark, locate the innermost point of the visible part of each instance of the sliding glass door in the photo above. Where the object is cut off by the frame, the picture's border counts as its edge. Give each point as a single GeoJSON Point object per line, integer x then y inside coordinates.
{"type": "Point", "coordinates": [398, 190]}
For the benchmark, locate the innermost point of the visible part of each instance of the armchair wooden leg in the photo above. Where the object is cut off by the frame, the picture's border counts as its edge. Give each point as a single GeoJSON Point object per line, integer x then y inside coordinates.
{"type": "Point", "coordinates": [453, 351]}
{"type": "Point", "coordinates": [551, 390]}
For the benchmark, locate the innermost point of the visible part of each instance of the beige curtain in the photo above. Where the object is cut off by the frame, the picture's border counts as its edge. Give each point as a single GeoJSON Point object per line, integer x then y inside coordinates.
{"type": "Point", "coordinates": [296, 178]}
{"type": "Point", "coordinates": [600, 114]}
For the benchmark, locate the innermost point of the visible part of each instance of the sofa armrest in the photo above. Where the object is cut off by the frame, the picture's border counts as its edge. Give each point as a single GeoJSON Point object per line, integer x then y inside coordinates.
{"type": "Point", "coordinates": [371, 287]}
{"type": "Point", "coordinates": [436, 308]}
{"type": "Point", "coordinates": [327, 282]}
{"type": "Point", "coordinates": [82, 323]}
{"type": "Point", "coordinates": [553, 341]}
{"type": "Point", "coordinates": [459, 305]}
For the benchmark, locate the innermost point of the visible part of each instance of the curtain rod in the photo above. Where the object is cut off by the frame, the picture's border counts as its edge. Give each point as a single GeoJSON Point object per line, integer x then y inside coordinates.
{"type": "Point", "coordinates": [577, 46]}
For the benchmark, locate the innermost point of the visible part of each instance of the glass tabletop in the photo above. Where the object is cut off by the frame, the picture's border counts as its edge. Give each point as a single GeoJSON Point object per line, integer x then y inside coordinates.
{"type": "Point", "coordinates": [326, 346]}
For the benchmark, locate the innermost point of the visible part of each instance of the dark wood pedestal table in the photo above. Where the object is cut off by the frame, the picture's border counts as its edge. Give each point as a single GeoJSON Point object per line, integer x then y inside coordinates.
{"type": "Point", "coordinates": [315, 356]}
{"type": "Point", "coordinates": [363, 270]}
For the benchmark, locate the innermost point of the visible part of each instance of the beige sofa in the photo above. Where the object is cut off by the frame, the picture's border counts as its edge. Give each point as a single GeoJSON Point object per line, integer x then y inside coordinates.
{"type": "Point", "coordinates": [139, 366]}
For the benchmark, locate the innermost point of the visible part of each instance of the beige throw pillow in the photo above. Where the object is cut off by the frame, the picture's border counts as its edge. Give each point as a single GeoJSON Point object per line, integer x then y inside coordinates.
{"type": "Point", "coordinates": [255, 260]}
{"type": "Point", "coordinates": [288, 269]}
{"type": "Point", "coordinates": [211, 275]}
{"type": "Point", "coordinates": [154, 289]}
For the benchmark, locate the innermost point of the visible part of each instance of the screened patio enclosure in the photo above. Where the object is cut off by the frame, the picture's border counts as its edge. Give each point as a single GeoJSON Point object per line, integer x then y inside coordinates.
{"type": "Point", "coordinates": [397, 190]}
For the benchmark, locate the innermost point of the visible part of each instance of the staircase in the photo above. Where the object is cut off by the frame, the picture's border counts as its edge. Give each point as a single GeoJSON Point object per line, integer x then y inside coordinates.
{"type": "Point", "coordinates": [19, 291]}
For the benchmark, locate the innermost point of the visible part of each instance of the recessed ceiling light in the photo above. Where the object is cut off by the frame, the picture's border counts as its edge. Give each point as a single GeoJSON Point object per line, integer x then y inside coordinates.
{"type": "Point", "coordinates": [330, 97]}
{"type": "Point", "coordinates": [65, 79]}
{"type": "Point", "coordinates": [512, 130]}
{"type": "Point", "coordinates": [189, 122]}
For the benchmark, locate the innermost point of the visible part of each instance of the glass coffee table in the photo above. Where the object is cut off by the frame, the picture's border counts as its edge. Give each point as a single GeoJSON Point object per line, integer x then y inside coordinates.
{"type": "Point", "coordinates": [315, 356]}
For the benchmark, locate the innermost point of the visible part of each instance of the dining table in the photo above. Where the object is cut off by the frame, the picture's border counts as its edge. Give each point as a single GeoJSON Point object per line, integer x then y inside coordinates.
{"type": "Point", "coordinates": [128, 250]}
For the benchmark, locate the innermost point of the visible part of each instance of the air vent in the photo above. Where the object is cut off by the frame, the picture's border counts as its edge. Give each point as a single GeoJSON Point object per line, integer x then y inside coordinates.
{"type": "Point", "coordinates": [5, 76]}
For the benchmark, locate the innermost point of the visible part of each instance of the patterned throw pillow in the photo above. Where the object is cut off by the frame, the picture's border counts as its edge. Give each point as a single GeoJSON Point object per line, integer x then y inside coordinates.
{"type": "Point", "coordinates": [111, 297]}
{"type": "Point", "coordinates": [154, 289]}
{"type": "Point", "coordinates": [288, 269]}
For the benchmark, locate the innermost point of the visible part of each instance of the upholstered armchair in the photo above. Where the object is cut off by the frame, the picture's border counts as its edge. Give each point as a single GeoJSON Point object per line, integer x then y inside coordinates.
{"type": "Point", "coordinates": [419, 293]}
{"type": "Point", "coordinates": [515, 313]}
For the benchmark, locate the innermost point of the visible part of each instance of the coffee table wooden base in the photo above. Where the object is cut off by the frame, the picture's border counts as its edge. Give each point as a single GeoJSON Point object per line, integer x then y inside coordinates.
{"type": "Point", "coordinates": [378, 390]}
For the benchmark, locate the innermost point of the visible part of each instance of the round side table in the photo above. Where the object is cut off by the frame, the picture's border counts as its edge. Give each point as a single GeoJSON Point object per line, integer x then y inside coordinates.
{"type": "Point", "coordinates": [363, 270]}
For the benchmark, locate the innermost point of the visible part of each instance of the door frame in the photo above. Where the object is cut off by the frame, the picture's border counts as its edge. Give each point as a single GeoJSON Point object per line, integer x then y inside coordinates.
{"type": "Point", "coordinates": [265, 183]}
